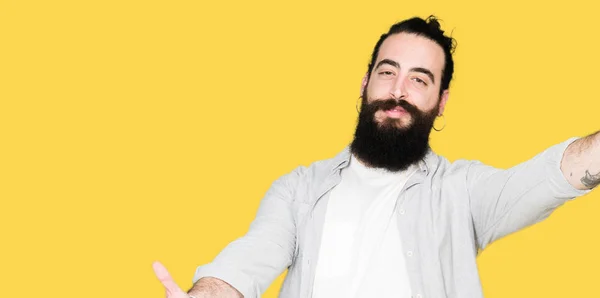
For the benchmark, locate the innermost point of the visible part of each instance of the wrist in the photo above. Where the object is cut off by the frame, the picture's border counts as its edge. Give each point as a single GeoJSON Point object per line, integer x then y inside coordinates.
{"type": "Point", "coordinates": [208, 287]}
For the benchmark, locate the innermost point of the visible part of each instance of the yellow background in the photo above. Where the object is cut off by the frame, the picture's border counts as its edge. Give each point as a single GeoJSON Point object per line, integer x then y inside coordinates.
{"type": "Point", "coordinates": [134, 131]}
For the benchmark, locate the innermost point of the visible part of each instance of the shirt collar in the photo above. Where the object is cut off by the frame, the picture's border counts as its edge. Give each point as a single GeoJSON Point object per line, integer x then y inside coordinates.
{"type": "Point", "coordinates": [428, 162]}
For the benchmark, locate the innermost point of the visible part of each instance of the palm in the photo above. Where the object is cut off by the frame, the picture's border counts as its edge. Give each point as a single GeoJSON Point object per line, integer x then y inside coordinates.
{"type": "Point", "coordinates": [172, 289]}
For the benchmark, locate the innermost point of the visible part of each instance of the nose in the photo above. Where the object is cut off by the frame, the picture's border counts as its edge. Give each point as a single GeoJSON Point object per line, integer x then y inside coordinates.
{"type": "Point", "coordinates": [398, 90]}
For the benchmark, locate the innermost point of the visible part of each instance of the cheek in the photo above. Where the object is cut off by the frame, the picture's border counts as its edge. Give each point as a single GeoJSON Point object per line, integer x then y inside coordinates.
{"type": "Point", "coordinates": [377, 90]}
{"type": "Point", "coordinates": [424, 100]}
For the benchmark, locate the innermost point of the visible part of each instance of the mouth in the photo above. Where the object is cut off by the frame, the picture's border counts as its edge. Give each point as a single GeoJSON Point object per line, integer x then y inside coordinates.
{"type": "Point", "coordinates": [395, 112]}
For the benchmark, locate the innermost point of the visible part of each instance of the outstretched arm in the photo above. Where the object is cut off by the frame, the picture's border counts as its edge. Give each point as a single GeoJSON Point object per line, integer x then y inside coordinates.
{"type": "Point", "coordinates": [206, 287]}
{"type": "Point", "coordinates": [505, 201]}
{"type": "Point", "coordinates": [581, 162]}
{"type": "Point", "coordinates": [248, 265]}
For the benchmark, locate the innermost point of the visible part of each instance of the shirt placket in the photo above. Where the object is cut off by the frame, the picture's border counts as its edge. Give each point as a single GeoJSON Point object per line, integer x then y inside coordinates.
{"type": "Point", "coordinates": [409, 245]}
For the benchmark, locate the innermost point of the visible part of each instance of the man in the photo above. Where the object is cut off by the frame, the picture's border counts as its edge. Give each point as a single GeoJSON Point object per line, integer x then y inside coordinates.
{"type": "Point", "coordinates": [388, 217]}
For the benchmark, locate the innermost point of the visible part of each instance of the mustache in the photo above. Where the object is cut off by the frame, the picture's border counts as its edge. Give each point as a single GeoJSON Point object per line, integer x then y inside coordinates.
{"type": "Point", "coordinates": [390, 103]}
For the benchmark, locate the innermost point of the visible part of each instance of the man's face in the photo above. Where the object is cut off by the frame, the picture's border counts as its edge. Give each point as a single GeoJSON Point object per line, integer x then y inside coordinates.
{"type": "Point", "coordinates": [409, 68]}
{"type": "Point", "coordinates": [400, 102]}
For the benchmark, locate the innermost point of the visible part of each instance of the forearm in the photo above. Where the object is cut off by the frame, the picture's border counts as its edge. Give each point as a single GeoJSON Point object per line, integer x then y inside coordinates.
{"type": "Point", "coordinates": [581, 162]}
{"type": "Point", "coordinates": [210, 287]}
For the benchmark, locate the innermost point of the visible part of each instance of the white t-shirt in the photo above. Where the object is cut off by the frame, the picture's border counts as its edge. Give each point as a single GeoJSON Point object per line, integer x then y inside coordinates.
{"type": "Point", "coordinates": [361, 253]}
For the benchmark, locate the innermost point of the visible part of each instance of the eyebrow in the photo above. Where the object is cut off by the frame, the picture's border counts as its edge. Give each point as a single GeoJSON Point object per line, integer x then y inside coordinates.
{"type": "Point", "coordinates": [389, 62]}
{"type": "Point", "coordinates": [425, 71]}
{"type": "Point", "coordinates": [415, 69]}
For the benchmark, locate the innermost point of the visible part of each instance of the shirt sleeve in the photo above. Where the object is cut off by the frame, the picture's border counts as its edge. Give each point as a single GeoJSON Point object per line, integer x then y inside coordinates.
{"type": "Point", "coordinates": [252, 262]}
{"type": "Point", "coordinates": [505, 201]}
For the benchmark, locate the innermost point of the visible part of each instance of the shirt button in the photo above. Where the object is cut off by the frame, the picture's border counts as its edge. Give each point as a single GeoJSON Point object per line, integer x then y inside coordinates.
{"type": "Point", "coordinates": [409, 253]}
{"type": "Point", "coordinates": [402, 211]}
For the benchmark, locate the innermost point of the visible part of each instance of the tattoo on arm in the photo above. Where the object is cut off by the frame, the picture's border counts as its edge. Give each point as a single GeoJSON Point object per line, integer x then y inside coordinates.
{"type": "Point", "coordinates": [589, 180]}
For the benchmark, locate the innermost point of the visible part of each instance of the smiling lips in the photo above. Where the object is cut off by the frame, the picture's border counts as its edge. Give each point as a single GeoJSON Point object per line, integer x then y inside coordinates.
{"type": "Point", "coordinates": [396, 112]}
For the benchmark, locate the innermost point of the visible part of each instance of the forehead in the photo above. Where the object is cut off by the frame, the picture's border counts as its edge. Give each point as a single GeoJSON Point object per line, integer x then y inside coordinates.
{"type": "Point", "coordinates": [411, 51]}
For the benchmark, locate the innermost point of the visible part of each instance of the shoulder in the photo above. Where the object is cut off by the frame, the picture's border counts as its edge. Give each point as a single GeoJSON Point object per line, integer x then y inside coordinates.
{"type": "Point", "coordinates": [318, 170]}
{"type": "Point", "coordinates": [441, 166]}
{"type": "Point", "coordinates": [458, 173]}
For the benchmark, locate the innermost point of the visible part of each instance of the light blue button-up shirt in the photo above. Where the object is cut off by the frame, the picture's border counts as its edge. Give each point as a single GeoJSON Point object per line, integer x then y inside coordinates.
{"type": "Point", "coordinates": [448, 212]}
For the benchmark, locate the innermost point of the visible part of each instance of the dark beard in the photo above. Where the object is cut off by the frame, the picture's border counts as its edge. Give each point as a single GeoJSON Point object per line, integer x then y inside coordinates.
{"type": "Point", "coordinates": [385, 145]}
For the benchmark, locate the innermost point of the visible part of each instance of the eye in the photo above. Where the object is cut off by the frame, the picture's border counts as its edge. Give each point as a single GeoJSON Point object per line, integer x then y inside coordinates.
{"type": "Point", "coordinates": [386, 73]}
{"type": "Point", "coordinates": [420, 81]}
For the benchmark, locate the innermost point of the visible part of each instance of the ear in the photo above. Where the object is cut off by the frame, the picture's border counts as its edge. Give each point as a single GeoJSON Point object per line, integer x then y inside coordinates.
{"type": "Point", "coordinates": [443, 100]}
{"type": "Point", "coordinates": [364, 83]}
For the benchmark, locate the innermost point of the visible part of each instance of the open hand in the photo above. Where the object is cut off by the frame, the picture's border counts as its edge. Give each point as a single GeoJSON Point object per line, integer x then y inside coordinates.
{"type": "Point", "coordinates": [171, 288]}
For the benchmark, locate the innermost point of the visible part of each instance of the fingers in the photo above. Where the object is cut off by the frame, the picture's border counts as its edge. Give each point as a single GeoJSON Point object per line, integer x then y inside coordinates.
{"type": "Point", "coordinates": [165, 278]}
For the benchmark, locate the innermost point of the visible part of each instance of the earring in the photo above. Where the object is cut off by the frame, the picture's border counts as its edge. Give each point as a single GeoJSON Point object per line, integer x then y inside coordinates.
{"type": "Point", "coordinates": [442, 115]}
{"type": "Point", "coordinates": [357, 103]}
